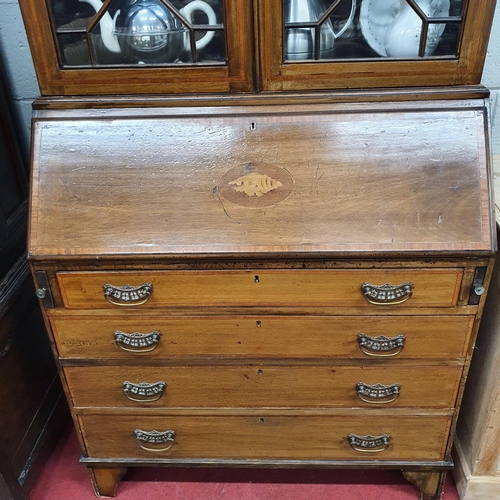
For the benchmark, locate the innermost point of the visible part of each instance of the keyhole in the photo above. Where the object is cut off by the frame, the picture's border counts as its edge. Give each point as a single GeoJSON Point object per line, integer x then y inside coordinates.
{"type": "Point", "coordinates": [261, 420]}
{"type": "Point", "coordinates": [259, 372]}
{"type": "Point", "coordinates": [258, 324]}
{"type": "Point", "coordinates": [253, 126]}
{"type": "Point", "coordinates": [256, 279]}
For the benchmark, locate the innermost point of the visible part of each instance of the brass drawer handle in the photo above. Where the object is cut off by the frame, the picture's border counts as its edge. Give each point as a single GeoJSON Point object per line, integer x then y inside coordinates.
{"type": "Point", "coordinates": [155, 441]}
{"type": "Point", "coordinates": [381, 347]}
{"type": "Point", "coordinates": [137, 342]}
{"type": "Point", "coordinates": [128, 295]}
{"type": "Point", "coordinates": [386, 295]}
{"type": "Point", "coordinates": [144, 392]}
{"type": "Point", "coordinates": [378, 393]}
{"type": "Point", "coordinates": [369, 444]}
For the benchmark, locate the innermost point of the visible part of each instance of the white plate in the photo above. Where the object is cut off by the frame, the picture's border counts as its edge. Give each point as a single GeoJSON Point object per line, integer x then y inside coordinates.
{"type": "Point", "coordinates": [376, 16]}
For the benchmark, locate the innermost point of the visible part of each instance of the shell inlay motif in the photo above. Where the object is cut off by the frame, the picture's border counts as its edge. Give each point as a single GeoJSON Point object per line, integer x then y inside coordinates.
{"type": "Point", "coordinates": [255, 184]}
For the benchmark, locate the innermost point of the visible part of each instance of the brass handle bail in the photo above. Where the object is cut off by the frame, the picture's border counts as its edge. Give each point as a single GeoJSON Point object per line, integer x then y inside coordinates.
{"type": "Point", "coordinates": [128, 295]}
{"type": "Point", "coordinates": [387, 295]}
{"type": "Point", "coordinates": [137, 342]}
{"type": "Point", "coordinates": [378, 393]}
{"type": "Point", "coordinates": [381, 346]}
{"type": "Point", "coordinates": [144, 392]}
{"type": "Point", "coordinates": [155, 441]}
{"type": "Point", "coordinates": [369, 444]}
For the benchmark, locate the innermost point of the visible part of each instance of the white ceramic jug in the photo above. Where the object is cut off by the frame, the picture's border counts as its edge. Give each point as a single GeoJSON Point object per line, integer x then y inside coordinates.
{"type": "Point", "coordinates": [402, 39]}
{"type": "Point", "coordinates": [299, 42]}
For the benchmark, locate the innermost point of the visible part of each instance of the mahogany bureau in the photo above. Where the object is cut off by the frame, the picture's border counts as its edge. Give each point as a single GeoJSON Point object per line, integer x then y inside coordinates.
{"type": "Point", "coordinates": [261, 230]}
{"type": "Point", "coordinates": [264, 285]}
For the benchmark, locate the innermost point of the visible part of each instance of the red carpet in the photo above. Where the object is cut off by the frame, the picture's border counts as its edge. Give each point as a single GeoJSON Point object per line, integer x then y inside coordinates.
{"type": "Point", "coordinates": [63, 478]}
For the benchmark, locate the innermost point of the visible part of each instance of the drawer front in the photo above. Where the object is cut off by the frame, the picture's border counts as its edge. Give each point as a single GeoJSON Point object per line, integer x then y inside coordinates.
{"type": "Point", "coordinates": [437, 337]}
{"type": "Point", "coordinates": [429, 288]}
{"type": "Point", "coordinates": [265, 437]}
{"type": "Point", "coordinates": [264, 386]}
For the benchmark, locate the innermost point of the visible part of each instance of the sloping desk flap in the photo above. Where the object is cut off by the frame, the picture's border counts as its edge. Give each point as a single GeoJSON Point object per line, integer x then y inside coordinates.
{"type": "Point", "coordinates": [323, 179]}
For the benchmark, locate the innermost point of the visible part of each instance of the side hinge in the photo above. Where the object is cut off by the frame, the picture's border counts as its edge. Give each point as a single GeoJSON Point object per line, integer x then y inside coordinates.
{"type": "Point", "coordinates": [43, 291]}
{"type": "Point", "coordinates": [477, 288]}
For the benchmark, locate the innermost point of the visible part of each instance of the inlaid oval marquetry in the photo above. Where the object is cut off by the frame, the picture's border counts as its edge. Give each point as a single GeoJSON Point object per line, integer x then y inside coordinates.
{"type": "Point", "coordinates": [255, 185]}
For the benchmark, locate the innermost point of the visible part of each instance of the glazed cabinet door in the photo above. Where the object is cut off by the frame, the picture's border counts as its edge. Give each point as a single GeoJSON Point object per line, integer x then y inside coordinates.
{"type": "Point", "coordinates": [319, 44]}
{"type": "Point", "coordinates": [91, 47]}
{"type": "Point", "coordinates": [85, 47]}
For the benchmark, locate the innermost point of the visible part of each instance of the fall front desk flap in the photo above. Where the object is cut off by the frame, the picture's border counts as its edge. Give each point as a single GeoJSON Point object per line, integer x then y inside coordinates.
{"type": "Point", "coordinates": [325, 179]}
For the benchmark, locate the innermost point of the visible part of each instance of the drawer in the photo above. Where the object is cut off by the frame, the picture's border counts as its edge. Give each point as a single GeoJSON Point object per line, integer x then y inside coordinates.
{"type": "Point", "coordinates": [255, 386]}
{"type": "Point", "coordinates": [266, 437]}
{"type": "Point", "coordinates": [426, 288]}
{"type": "Point", "coordinates": [438, 337]}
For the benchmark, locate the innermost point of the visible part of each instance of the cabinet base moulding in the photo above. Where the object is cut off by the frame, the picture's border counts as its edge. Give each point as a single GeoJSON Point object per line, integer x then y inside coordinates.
{"type": "Point", "coordinates": [429, 482]}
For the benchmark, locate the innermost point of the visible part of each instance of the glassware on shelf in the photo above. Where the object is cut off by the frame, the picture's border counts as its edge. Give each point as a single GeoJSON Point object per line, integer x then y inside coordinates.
{"type": "Point", "coordinates": [135, 32]}
{"type": "Point", "coordinates": [314, 36]}
{"type": "Point", "coordinates": [365, 29]}
{"type": "Point", "coordinates": [406, 33]}
{"type": "Point", "coordinates": [406, 29]}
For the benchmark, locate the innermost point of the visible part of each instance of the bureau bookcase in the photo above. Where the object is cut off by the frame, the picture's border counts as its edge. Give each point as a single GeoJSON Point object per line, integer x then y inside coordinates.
{"type": "Point", "coordinates": [240, 263]}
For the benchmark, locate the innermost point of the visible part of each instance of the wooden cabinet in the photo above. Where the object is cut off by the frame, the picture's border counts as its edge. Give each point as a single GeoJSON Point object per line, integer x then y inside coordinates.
{"type": "Point", "coordinates": [32, 406]}
{"type": "Point", "coordinates": [94, 47]}
{"type": "Point", "coordinates": [68, 62]}
{"type": "Point", "coordinates": [477, 465]}
{"type": "Point", "coordinates": [305, 294]}
{"type": "Point", "coordinates": [361, 57]}
{"type": "Point", "coordinates": [261, 231]}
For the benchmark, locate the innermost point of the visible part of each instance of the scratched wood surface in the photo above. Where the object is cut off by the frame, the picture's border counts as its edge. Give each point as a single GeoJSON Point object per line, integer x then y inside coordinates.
{"type": "Point", "coordinates": [262, 179]}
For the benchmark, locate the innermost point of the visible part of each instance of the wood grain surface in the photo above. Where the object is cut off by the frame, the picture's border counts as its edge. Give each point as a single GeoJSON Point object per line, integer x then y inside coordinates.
{"type": "Point", "coordinates": [265, 386]}
{"type": "Point", "coordinates": [264, 336]}
{"type": "Point", "coordinates": [431, 287]}
{"type": "Point", "coordinates": [267, 437]}
{"type": "Point", "coordinates": [382, 180]}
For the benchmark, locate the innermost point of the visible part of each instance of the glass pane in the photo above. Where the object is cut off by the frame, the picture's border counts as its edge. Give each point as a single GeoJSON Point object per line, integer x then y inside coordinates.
{"type": "Point", "coordinates": [75, 49]}
{"type": "Point", "coordinates": [361, 29]}
{"type": "Point", "coordinates": [213, 52]}
{"type": "Point", "coordinates": [139, 32]}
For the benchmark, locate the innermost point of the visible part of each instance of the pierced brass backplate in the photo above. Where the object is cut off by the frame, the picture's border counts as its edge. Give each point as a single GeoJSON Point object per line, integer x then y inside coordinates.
{"type": "Point", "coordinates": [369, 444]}
{"type": "Point", "coordinates": [127, 295]}
{"type": "Point", "coordinates": [378, 393]}
{"type": "Point", "coordinates": [381, 346]}
{"type": "Point", "coordinates": [387, 294]}
{"type": "Point", "coordinates": [155, 441]}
